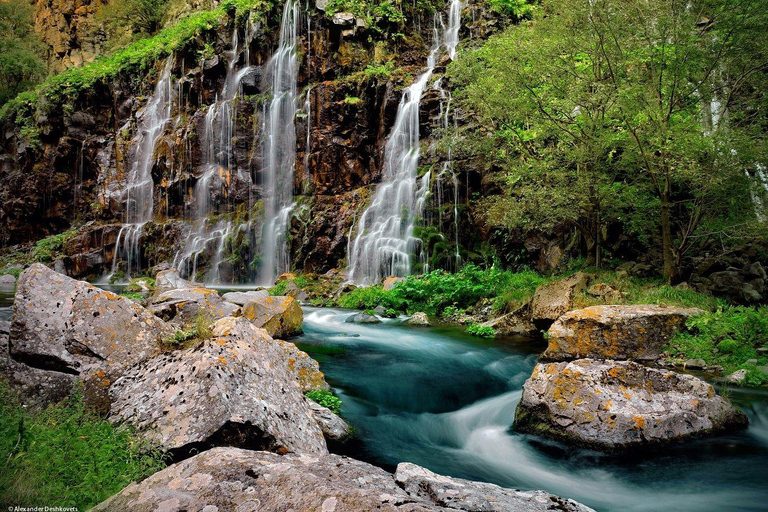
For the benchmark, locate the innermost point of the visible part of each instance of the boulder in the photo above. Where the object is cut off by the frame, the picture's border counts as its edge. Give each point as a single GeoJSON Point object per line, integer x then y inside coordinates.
{"type": "Point", "coordinates": [344, 19]}
{"type": "Point", "coordinates": [620, 405]}
{"type": "Point", "coordinates": [232, 479]}
{"type": "Point", "coordinates": [390, 282]}
{"type": "Point", "coordinates": [242, 298]}
{"type": "Point", "coordinates": [738, 377]}
{"type": "Point", "coordinates": [7, 280]}
{"type": "Point", "coordinates": [72, 327]}
{"type": "Point", "coordinates": [167, 280]}
{"type": "Point", "coordinates": [362, 318]}
{"type": "Point", "coordinates": [280, 316]}
{"type": "Point", "coordinates": [418, 320]}
{"type": "Point", "coordinates": [615, 332]}
{"type": "Point", "coordinates": [333, 427]}
{"type": "Point", "coordinates": [305, 369]}
{"type": "Point", "coordinates": [554, 299]}
{"type": "Point", "coordinates": [181, 306]}
{"type": "Point", "coordinates": [604, 291]}
{"type": "Point", "coordinates": [233, 390]}
{"type": "Point", "coordinates": [516, 323]}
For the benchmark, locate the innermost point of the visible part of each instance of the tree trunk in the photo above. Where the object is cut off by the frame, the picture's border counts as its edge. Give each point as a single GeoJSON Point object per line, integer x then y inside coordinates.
{"type": "Point", "coordinates": [666, 236]}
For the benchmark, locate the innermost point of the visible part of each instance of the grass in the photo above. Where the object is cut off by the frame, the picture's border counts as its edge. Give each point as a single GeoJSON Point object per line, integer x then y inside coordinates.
{"type": "Point", "coordinates": [200, 330]}
{"type": "Point", "coordinates": [66, 456]}
{"type": "Point", "coordinates": [481, 331]}
{"type": "Point", "coordinates": [326, 399]}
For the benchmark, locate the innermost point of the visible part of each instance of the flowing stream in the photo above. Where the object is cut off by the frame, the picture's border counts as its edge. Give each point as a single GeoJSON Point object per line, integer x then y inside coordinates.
{"type": "Point", "coordinates": [441, 399]}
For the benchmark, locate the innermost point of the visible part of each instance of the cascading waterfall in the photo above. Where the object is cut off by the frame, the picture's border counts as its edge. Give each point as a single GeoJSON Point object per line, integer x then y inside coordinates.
{"type": "Point", "coordinates": [209, 235]}
{"type": "Point", "coordinates": [385, 233]}
{"type": "Point", "coordinates": [139, 188]}
{"type": "Point", "coordinates": [280, 148]}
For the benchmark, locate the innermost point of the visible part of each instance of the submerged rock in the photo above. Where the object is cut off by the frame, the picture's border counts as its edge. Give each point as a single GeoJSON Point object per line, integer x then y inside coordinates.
{"type": "Point", "coordinates": [418, 320]}
{"type": "Point", "coordinates": [224, 479]}
{"type": "Point", "coordinates": [233, 390]}
{"type": "Point", "coordinates": [242, 298]}
{"type": "Point", "coordinates": [620, 405]}
{"type": "Point", "coordinates": [362, 318]}
{"type": "Point", "coordinates": [72, 327]}
{"type": "Point", "coordinates": [280, 316]}
{"type": "Point", "coordinates": [615, 332]}
{"type": "Point", "coordinates": [183, 305]}
{"type": "Point", "coordinates": [556, 298]}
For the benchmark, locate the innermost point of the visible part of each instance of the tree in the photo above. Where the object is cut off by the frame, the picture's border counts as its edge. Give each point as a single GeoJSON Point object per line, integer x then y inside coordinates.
{"type": "Point", "coordinates": [125, 19]}
{"type": "Point", "coordinates": [21, 64]}
{"type": "Point", "coordinates": [599, 108]}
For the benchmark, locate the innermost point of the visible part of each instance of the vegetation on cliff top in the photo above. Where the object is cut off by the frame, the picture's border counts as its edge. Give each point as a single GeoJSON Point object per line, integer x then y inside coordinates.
{"type": "Point", "coordinates": [65, 455]}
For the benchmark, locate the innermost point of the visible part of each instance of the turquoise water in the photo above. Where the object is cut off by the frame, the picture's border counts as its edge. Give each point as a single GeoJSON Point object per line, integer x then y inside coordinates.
{"type": "Point", "coordinates": [441, 399]}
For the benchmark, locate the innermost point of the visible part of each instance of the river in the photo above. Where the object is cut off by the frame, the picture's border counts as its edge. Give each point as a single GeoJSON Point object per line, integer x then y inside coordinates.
{"type": "Point", "coordinates": [443, 400]}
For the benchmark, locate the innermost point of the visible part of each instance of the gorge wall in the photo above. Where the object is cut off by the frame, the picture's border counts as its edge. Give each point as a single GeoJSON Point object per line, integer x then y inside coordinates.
{"type": "Point", "coordinates": [71, 166]}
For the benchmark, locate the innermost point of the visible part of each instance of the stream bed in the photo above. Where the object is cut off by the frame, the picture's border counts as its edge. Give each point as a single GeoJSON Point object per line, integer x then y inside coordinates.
{"type": "Point", "coordinates": [441, 399]}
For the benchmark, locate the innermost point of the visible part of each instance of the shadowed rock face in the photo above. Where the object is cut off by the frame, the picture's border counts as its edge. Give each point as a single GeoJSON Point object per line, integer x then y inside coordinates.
{"type": "Point", "coordinates": [620, 405]}
{"type": "Point", "coordinates": [224, 479]}
{"type": "Point", "coordinates": [615, 332]}
{"type": "Point", "coordinates": [234, 389]}
{"type": "Point", "coordinates": [68, 326]}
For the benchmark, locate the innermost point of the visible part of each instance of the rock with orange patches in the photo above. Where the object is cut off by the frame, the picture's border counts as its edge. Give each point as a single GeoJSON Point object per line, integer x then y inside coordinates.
{"type": "Point", "coordinates": [66, 326]}
{"type": "Point", "coordinates": [615, 332]}
{"type": "Point", "coordinates": [280, 316]}
{"type": "Point", "coordinates": [620, 405]}
{"type": "Point", "coordinates": [183, 305]}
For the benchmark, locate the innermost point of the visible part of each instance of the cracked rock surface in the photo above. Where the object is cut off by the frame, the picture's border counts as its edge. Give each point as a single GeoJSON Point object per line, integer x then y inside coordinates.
{"type": "Point", "coordinates": [620, 405]}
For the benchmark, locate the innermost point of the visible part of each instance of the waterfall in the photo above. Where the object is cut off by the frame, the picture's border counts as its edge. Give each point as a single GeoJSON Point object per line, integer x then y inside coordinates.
{"type": "Point", "coordinates": [385, 238]}
{"type": "Point", "coordinates": [207, 242]}
{"type": "Point", "coordinates": [139, 188]}
{"type": "Point", "coordinates": [280, 148]}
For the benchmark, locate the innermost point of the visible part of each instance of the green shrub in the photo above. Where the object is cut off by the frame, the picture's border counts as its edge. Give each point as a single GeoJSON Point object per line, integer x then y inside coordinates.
{"type": "Point", "coordinates": [66, 456]}
{"type": "Point", "coordinates": [201, 329]}
{"type": "Point", "coordinates": [481, 331]}
{"type": "Point", "coordinates": [279, 288]}
{"type": "Point", "coordinates": [133, 296]}
{"type": "Point", "coordinates": [326, 399]}
{"type": "Point", "coordinates": [48, 249]}
{"type": "Point", "coordinates": [368, 298]}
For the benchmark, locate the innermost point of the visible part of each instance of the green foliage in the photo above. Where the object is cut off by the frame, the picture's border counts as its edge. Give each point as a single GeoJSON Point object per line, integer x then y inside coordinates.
{"type": "Point", "coordinates": [375, 14]}
{"type": "Point", "coordinates": [515, 9]}
{"type": "Point", "coordinates": [21, 63]}
{"type": "Point", "coordinates": [326, 399]}
{"type": "Point", "coordinates": [200, 330]}
{"type": "Point", "coordinates": [352, 100]}
{"type": "Point", "coordinates": [48, 249]}
{"type": "Point", "coordinates": [379, 71]}
{"type": "Point", "coordinates": [368, 298]}
{"type": "Point", "coordinates": [279, 288]}
{"type": "Point", "coordinates": [481, 331]}
{"type": "Point", "coordinates": [133, 296]}
{"type": "Point", "coordinates": [66, 455]}
{"type": "Point", "coordinates": [132, 17]}
{"type": "Point", "coordinates": [728, 337]}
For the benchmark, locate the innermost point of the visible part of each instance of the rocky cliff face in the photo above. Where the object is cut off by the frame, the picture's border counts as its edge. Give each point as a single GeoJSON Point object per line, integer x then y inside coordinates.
{"type": "Point", "coordinates": [66, 26]}
{"type": "Point", "coordinates": [72, 168]}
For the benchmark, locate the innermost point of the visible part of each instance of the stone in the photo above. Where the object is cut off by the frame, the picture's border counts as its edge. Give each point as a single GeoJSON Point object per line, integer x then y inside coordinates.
{"type": "Point", "coordinates": [620, 405]}
{"type": "Point", "coordinates": [7, 279]}
{"type": "Point", "coordinates": [242, 298]}
{"type": "Point", "coordinates": [738, 377]}
{"type": "Point", "coordinates": [554, 299]}
{"type": "Point", "coordinates": [293, 290]}
{"type": "Point", "coordinates": [232, 479]}
{"type": "Point", "coordinates": [333, 427]}
{"type": "Point", "coordinates": [606, 292]}
{"type": "Point", "coordinates": [419, 319]}
{"type": "Point", "coordinates": [280, 316]}
{"type": "Point", "coordinates": [182, 306]}
{"type": "Point", "coordinates": [72, 327]}
{"type": "Point", "coordinates": [286, 276]}
{"type": "Point", "coordinates": [167, 280]}
{"type": "Point", "coordinates": [615, 332]}
{"type": "Point", "coordinates": [516, 323]}
{"type": "Point", "coordinates": [235, 389]}
{"type": "Point", "coordinates": [343, 19]}
{"type": "Point", "coordinates": [362, 318]}
{"type": "Point", "coordinates": [460, 494]}
{"type": "Point", "coordinates": [305, 369]}
{"type": "Point", "coordinates": [694, 364]}
{"type": "Point", "coordinates": [380, 310]}
{"type": "Point", "coordinates": [321, 4]}
{"type": "Point", "coordinates": [390, 282]}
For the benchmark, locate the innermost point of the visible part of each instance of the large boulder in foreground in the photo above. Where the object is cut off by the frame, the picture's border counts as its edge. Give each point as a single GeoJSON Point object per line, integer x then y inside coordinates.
{"type": "Point", "coordinates": [230, 479]}
{"type": "Point", "coordinates": [554, 299]}
{"type": "Point", "coordinates": [182, 306]}
{"type": "Point", "coordinates": [235, 389]}
{"type": "Point", "coordinates": [615, 332]}
{"type": "Point", "coordinates": [72, 327]}
{"type": "Point", "coordinates": [280, 316]}
{"type": "Point", "coordinates": [620, 405]}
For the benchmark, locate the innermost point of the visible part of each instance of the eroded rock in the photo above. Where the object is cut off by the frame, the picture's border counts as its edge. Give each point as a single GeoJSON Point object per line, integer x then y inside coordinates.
{"type": "Point", "coordinates": [620, 405]}
{"type": "Point", "coordinates": [280, 316]}
{"type": "Point", "coordinates": [235, 390]}
{"type": "Point", "coordinates": [72, 327]}
{"type": "Point", "coordinates": [234, 479]}
{"type": "Point", "coordinates": [615, 332]}
{"type": "Point", "coordinates": [556, 298]}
